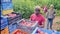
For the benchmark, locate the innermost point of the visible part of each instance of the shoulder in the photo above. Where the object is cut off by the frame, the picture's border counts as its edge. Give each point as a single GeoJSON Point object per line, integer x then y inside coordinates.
{"type": "Point", "coordinates": [41, 15]}
{"type": "Point", "coordinates": [33, 15]}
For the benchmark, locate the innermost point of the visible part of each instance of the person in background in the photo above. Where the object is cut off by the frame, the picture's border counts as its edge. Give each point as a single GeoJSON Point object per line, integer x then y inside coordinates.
{"type": "Point", "coordinates": [45, 9]}
{"type": "Point", "coordinates": [50, 16]}
{"type": "Point", "coordinates": [36, 16]}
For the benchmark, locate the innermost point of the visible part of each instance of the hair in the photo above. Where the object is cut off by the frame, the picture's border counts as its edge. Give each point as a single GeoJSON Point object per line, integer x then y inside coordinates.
{"type": "Point", "coordinates": [52, 5]}
{"type": "Point", "coordinates": [37, 8]}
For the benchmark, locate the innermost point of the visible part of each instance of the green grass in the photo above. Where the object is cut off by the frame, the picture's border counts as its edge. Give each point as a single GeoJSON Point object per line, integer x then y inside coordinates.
{"type": "Point", "coordinates": [58, 28]}
{"type": "Point", "coordinates": [58, 13]}
{"type": "Point", "coordinates": [58, 22]}
{"type": "Point", "coordinates": [26, 7]}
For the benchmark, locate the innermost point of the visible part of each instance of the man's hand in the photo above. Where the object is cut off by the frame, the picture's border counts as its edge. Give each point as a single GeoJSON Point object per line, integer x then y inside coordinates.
{"type": "Point", "coordinates": [42, 26]}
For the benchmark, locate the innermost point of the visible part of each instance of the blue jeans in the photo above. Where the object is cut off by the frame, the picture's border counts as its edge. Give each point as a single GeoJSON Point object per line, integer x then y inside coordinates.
{"type": "Point", "coordinates": [49, 23]}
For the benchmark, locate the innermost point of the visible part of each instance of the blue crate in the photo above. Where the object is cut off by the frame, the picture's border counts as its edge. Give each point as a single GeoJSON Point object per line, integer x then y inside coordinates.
{"type": "Point", "coordinates": [34, 32]}
{"type": "Point", "coordinates": [48, 31]}
{"type": "Point", "coordinates": [3, 26]}
{"type": "Point", "coordinates": [4, 22]}
{"type": "Point", "coordinates": [12, 27]}
{"type": "Point", "coordinates": [0, 12]}
{"type": "Point", "coordinates": [57, 33]}
{"type": "Point", "coordinates": [7, 6]}
{"type": "Point", "coordinates": [3, 1]}
{"type": "Point", "coordinates": [44, 30]}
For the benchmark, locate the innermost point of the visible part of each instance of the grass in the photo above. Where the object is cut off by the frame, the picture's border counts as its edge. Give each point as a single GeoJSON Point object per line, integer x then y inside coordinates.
{"type": "Point", "coordinates": [58, 28]}
{"type": "Point", "coordinates": [58, 13]}
{"type": "Point", "coordinates": [58, 22]}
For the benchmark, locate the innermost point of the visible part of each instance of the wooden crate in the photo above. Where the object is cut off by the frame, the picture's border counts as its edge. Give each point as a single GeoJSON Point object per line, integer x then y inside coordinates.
{"type": "Point", "coordinates": [18, 30]}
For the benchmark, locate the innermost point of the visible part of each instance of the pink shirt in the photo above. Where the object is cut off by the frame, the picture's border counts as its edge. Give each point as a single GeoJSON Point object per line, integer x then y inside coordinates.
{"type": "Point", "coordinates": [38, 18]}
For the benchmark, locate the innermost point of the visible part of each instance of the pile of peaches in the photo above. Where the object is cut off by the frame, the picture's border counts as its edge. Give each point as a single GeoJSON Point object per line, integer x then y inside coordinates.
{"type": "Point", "coordinates": [28, 24]}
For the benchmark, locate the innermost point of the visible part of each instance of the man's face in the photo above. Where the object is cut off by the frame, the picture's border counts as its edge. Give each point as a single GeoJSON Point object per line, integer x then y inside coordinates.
{"type": "Point", "coordinates": [37, 11]}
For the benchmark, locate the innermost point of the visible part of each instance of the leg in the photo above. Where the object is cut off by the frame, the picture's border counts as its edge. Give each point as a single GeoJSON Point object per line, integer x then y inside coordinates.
{"type": "Point", "coordinates": [51, 22]}
{"type": "Point", "coordinates": [47, 26]}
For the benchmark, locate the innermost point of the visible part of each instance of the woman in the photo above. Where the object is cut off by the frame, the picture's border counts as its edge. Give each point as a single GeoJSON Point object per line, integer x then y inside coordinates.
{"type": "Point", "coordinates": [50, 16]}
{"type": "Point", "coordinates": [36, 16]}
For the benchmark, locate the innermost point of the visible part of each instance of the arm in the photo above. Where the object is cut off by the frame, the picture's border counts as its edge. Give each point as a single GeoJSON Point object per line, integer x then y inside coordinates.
{"type": "Point", "coordinates": [30, 18]}
{"type": "Point", "coordinates": [43, 22]}
{"type": "Point", "coordinates": [54, 12]}
{"type": "Point", "coordinates": [47, 14]}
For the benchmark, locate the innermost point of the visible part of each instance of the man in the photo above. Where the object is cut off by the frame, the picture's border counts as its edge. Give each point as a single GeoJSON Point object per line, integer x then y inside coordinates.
{"type": "Point", "coordinates": [36, 16]}
{"type": "Point", "coordinates": [50, 16]}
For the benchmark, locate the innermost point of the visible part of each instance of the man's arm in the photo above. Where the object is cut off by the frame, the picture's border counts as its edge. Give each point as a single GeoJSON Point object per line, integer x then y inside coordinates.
{"type": "Point", "coordinates": [43, 24]}
{"type": "Point", "coordinates": [43, 21]}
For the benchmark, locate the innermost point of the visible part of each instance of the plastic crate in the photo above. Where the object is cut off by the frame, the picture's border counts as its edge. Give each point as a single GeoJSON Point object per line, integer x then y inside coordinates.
{"type": "Point", "coordinates": [0, 12]}
{"type": "Point", "coordinates": [48, 31]}
{"type": "Point", "coordinates": [12, 27]}
{"type": "Point", "coordinates": [34, 32]}
{"type": "Point", "coordinates": [4, 12]}
{"type": "Point", "coordinates": [4, 22]}
{"type": "Point", "coordinates": [2, 31]}
{"type": "Point", "coordinates": [15, 19]}
{"type": "Point", "coordinates": [4, 1]}
{"type": "Point", "coordinates": [18, 31]}
{"type": "Point", "coordinates": [45, 31]}
{"type": "Point", "coordinates": [57, 33]}
{"type": "Point", "coordinates": [3, 26]}
{"type": "Point", "coordinates": [25, 28]}
{"type": "Point", "coordinates": [5, 31]}
{"type": "Point", "coordinates": [7, 6]}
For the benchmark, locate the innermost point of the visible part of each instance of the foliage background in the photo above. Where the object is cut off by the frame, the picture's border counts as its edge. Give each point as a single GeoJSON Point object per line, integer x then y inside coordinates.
{"type": "Point", "coordinates": [26, 7]}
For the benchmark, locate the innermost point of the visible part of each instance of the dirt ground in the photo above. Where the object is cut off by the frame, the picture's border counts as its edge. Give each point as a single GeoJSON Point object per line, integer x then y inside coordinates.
{"type": "Point", "coordinates": [55, 25]}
